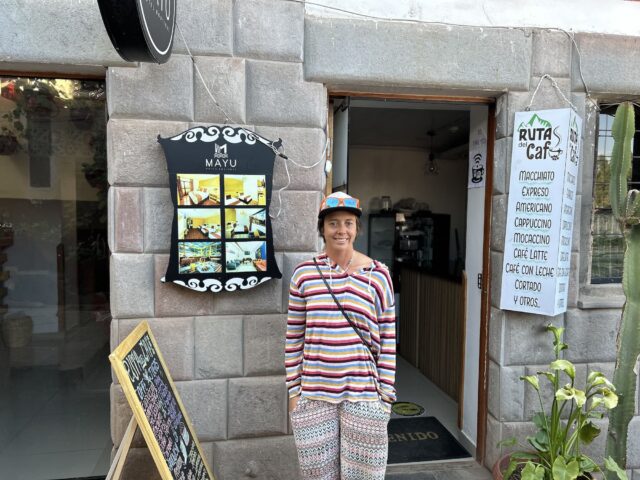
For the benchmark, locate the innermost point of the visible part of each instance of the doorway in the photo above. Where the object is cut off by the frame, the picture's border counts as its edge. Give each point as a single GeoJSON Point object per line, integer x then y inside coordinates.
{"type": "Point", "coordinates": [419, 169]}
{"type": "Point", "coordinates": [54, 279]}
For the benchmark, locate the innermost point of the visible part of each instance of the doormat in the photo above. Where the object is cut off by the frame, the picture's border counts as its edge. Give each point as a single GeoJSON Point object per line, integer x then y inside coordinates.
{"type": "Point", "coordinates": [422, 439]}
{"type": "Point", "coordinates": [407, 409]}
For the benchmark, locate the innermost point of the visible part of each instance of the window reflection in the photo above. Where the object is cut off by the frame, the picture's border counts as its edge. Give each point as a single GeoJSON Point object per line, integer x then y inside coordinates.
{"type": "Point", "coordinates": [54, 279]}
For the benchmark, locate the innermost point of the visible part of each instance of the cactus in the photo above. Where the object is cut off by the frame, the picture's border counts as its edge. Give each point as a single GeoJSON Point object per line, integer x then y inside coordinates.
{"type": "Point", "coordinates": [626, 208]}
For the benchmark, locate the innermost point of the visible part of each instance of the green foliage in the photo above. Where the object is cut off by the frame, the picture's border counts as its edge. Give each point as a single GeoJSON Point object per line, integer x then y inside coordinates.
{"type": "Point", "coordinates": [555, 450]}
{"type": "Point", "coordinates": [625, 205]}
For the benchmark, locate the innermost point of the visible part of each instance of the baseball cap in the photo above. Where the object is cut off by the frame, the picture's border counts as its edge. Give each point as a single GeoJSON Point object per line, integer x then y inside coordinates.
{"type": "Point", "coordinates": [340, 201]}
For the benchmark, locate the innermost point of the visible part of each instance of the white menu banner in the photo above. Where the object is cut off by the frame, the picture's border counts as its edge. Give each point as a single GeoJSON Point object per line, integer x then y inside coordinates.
{"type": "Point", "coordinates": [542, 195]}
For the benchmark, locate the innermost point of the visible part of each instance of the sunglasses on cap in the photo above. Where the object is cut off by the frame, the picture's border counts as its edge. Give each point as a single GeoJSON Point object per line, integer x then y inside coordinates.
{"type": "Point", "coordinates": [332, 202]}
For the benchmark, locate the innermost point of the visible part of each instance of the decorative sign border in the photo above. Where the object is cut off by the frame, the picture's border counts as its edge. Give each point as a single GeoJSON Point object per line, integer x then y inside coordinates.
{"type": "Point", "coordinates": [220, 179]}
{"type": "Point", "coordinates": [117, 358]}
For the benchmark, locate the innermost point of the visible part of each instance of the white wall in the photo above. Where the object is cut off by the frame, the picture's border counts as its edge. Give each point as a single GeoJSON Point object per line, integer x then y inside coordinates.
{"type": "Point", "coordinates": [616, 17]}
{"type": "Point", "coordinates": [399, 173]}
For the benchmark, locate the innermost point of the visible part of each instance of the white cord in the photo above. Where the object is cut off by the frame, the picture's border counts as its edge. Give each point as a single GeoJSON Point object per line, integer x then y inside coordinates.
{"type": "Point", "coordinates": [227, 119]}
{"type": "Point", "coordinates": [555, 85]}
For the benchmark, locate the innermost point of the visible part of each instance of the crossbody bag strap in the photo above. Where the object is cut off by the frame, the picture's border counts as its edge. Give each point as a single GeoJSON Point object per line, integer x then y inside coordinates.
{"type": "Point", "coordinates": [344, 313]}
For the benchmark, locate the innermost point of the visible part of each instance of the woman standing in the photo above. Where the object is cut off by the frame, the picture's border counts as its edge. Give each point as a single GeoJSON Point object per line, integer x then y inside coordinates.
{"type": "Point", "coordinates": [340, 353]}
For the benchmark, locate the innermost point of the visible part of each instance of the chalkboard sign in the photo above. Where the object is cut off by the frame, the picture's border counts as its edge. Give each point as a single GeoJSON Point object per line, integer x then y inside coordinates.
{"type": "Point", "coordinates": [157, 408]}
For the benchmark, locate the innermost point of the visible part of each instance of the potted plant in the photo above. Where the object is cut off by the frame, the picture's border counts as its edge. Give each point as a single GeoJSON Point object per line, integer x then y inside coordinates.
{"type": "Point", "coordinates": [555, 451]}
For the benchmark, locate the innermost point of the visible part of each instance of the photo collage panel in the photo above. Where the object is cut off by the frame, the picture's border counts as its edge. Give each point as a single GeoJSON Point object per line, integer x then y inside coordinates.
{"type": "Point", "coordinates": [222, 223]}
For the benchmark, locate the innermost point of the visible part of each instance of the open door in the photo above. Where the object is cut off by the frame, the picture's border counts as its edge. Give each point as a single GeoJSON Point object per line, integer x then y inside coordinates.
{"type": "Point", "coordinates": [478, 128]}
{"type": "Point", "coordinates": [339, 177]}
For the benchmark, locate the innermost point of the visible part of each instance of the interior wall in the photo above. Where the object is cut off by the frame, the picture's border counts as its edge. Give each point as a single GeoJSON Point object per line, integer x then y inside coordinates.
{"type": "Point", "coordinates": [378, 171]}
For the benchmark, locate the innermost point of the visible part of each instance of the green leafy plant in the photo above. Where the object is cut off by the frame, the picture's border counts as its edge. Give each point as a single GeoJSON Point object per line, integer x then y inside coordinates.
{"type": "Point", "coordinates": [625, 205]}
{"type": "Point", "coordinates": [555, 451]}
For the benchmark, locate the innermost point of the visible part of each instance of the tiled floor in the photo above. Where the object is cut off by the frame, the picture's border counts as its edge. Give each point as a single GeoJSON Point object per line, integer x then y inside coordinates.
{"type": "Point", "coordinates": [414, 387]}
{"type": "Point", "coordinates": [52, 428]}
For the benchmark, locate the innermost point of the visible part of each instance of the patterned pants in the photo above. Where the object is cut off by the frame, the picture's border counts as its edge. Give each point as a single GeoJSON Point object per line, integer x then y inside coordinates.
{"type": "Point", "coordinates": [345, 441]}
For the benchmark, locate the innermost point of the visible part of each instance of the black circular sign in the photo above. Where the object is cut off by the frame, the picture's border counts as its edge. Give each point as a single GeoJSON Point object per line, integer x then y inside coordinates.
{"type": "Point", "coordinates": [140, 30]}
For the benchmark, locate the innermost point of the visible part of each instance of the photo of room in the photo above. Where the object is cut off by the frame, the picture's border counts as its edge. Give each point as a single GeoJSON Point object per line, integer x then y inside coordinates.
{"type": "Point", "coordinates": [244, 190]}
{"type": "Point", "coordinates": [246, 257]}
{"type": "Point", "coordinates": [247, 223]}
{"type": "Point", "coordinates": [199, 224]}
{"type": "Point", "coordinates": [198, 189]}
{"type": "Point", "coordinates": [199, 257]}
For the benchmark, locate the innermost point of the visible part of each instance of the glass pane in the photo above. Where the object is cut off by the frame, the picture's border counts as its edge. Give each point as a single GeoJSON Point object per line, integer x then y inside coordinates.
{"type": "Point", "coordinates": [54, 279]}
{"type": "Point", "coordinates": [608, 241]}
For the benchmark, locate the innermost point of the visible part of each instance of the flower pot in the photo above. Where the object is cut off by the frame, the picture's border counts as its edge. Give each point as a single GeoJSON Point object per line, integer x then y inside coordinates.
{"type": "Point", "coordinates": [17, 330]}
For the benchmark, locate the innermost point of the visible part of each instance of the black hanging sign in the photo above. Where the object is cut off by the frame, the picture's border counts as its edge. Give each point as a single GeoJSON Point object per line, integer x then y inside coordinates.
{"type": "Point", "coordinates": [140, 30]}
{"type": "Point", "coordinates": [220, 179]}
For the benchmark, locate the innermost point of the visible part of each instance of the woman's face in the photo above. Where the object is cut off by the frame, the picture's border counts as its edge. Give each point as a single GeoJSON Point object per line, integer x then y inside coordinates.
{"type": "Point", "coordinates": [340, 230]}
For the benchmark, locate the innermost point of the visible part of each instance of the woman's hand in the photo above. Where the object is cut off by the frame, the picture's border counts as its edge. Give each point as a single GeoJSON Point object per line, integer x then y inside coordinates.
{"type": "Point", "coordinates": [293, 401]}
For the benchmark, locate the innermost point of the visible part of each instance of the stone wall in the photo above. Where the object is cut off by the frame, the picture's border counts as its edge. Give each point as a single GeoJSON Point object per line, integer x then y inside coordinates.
{"type": "Point", "coordinates": [225, 351]}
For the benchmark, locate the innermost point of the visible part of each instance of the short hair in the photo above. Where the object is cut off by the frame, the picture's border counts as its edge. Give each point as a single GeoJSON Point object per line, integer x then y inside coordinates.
{"type": "Point", "coordinates": [321, 226]}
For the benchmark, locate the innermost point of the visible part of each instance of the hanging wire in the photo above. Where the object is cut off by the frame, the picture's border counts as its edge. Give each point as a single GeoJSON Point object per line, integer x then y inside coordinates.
{"type": "Point", "coordinates": [277, 147]}
{"type": "Point", "coordinates": [554, 84]}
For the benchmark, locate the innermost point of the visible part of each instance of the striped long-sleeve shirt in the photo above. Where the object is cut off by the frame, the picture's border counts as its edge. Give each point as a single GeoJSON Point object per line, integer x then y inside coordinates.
{"type": "Point", "coordinates": [325, 358]}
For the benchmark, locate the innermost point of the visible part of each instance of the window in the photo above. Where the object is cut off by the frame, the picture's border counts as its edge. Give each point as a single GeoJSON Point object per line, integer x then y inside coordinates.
{"type": "Point", "coordinates": [608, 240]}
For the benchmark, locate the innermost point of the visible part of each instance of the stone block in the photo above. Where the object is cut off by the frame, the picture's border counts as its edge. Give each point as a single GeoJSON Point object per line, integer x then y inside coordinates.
{"type": "Point", "coordinates": [362, 52]}
{"type": "Point", "coordinates": [496, 278]}
{"type": "Point", "coordinates": [158, 219]}
{"type": "Point", "coordinates": [218, 347]}
{"type": "Point", "coordinates": [610, 64]}
{"type": "Point", "coordinates": [291, 261]}
{"type": "Point", "coordinates": [152, 91]}
{"type": "Point", "coordinates": [264, 298]}
{"type": "Point", "coordinates": [494, 436]}
{"type": "Point", "coordinates": [531, 401]}
{"type": "Point", "coordinates": [269, 30]}
{"type": "Point", "coordinates": [205, 401]}
{"type": "Point", "coordinates": [633, 443]}
{"type": "Point", "coordinates": [210, 27]}
{"type": "Point", "coordinates": [134, 154]}
{"type": "Point", "coordinates": [260, 458]}
{"type": "Point", "coordinates": [512, 394]}
{"type": "Point", "coordinates": [45, 32]}
{"type": "Point", "coordinates": [172, 300]}
{"type": "Point", "coordinates": [501, 162]}
{"type": "Point", "coordinates": [519, 431]}
{"type": "Point", "coordinates": [296, 227]}
{"type": "Point", "coordinates": [120, 416]}
{"type": "Point", "coordinates": [259, 406]}
{"type": "Point", "coordinates": [225, 78]}
{"type": "Point", "coordinates": [498, 221]}
{"type": "Point", "coordinates": [493, 389]}
{"type": "Point", "coordinates": [502, 116]}
{"type": "Point", "coordinates": [591, 335]}
{"type": "Point", "coordinates": [131, 280]}
{"type": "Point", "coordinates": [496, 334]}
{"type": "Point", "coordinates": [264, 339]}
{"type": "Point", "coordinates": [277, 94]}
{"type": "Point", "coordinates": [128, 220]}
{"type": "Point", "coordinates": [551, 53]}
{"type": "Point", "coordinates": [175, 338]}
{"type": "Point", "coordinates": [305, 146]}
{"type": "Point", "coordinates": [526, 341]}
